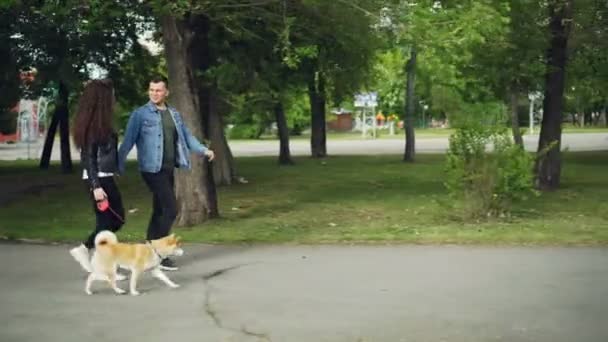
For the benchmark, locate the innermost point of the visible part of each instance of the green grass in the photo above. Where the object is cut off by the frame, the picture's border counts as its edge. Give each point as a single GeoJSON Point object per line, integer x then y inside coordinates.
{"type": "Point", "coordinates": [569, 128]}
{"type": "Point", "coordinates": [370, 199]}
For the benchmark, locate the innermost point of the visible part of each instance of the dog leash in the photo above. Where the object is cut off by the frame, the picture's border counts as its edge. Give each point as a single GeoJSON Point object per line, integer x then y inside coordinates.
{"type": "Point", "coordinates": [104, 205]}
{"type": "Point", "coordinates": [154, 250]}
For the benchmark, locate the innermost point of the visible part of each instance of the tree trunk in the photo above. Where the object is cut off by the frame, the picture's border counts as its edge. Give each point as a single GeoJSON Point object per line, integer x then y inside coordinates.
{"type": "Point", "coordinates": [209, 180]}
{"type": "Point", "coordinates": [223, 166]}
{"type": "Point", "coordinates": [190, 187]}
{"type": "Point", "coordinates": [213, 175]}
{"type": "Point", "coordinates": [548, 164]}
{"type": "Point", "coordinates": [224, 169]}
{"type": "Point", "coordinates": [410, 139]}
{"type": "Point", "coordinates": [61, 118]}
{"type": "Point", "coordinates": [283, 131]}
{"type": "Point", "coordinates": [515, 120]}
{"type": "Point", "coordinates": [45, 159]}
{"type": "Point", "coordinates": [316, 93]}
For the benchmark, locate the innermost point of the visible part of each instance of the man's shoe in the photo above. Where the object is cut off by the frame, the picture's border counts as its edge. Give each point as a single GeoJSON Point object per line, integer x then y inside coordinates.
{"type": "Point", "coordinates": [168, 265]}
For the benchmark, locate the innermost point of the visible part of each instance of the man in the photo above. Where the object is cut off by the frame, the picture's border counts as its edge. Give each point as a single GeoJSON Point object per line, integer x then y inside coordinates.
{"type": "Point", "coordinates": [163, 143]}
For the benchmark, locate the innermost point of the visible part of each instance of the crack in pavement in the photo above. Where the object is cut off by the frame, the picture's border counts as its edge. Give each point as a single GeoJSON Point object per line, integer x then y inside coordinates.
{"type": "Point", "coordinates": [213, 313]}
{"type": "Point", "coordinates": [221, 271]}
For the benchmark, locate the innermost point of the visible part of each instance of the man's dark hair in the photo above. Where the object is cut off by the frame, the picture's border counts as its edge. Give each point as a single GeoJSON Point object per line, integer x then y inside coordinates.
{"type": "Point", "coordinates": [160, 78]}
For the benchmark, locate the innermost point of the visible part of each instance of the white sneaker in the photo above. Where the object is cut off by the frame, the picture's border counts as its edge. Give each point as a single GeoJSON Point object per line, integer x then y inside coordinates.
{"type": "Point", "coordinates": [81, 254]}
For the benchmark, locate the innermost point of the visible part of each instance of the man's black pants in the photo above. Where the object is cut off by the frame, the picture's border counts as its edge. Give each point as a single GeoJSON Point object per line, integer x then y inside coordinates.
{"type": "Point", "coordinates": [164, 204]}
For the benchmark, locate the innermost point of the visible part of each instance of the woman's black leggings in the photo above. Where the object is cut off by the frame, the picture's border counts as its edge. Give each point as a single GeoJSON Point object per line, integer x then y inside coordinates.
{"type": "Point", "coordinates": [112, 218]}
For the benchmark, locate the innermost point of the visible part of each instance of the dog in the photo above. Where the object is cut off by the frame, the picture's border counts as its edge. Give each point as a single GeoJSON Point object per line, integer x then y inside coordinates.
{"type": "Point", "coordinates": [109, 253]}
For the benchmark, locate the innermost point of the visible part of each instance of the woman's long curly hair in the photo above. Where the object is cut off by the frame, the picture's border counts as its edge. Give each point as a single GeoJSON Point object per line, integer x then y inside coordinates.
{"type": "Point", "coordinates": [93, 122]}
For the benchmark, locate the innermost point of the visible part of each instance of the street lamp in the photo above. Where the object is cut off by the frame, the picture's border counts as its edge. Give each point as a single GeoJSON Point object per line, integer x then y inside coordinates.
{"type": "Point", "coordinates": [424, 108]}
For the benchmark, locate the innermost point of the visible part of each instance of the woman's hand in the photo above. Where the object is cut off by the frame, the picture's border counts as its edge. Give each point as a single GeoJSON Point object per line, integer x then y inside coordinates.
{"type": "Point", "coordinates": [99, 194]}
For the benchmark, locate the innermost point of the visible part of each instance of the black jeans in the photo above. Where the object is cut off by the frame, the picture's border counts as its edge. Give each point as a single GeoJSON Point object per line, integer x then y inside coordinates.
{"type": "Point", "coordinates": [164, 204]}
{"type": "Point", "coordinates": [111, 220]}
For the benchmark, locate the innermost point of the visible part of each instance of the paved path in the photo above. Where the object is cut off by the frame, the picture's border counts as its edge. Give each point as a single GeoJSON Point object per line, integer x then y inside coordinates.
{"type": "Point", "coordinates": [301, 147]}
{"type": "Point", "coordinates": [322, 293]}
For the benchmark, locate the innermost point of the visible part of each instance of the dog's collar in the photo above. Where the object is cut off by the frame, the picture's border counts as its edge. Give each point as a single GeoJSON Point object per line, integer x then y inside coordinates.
{"type": "Point", "coordinates": [154, 250]}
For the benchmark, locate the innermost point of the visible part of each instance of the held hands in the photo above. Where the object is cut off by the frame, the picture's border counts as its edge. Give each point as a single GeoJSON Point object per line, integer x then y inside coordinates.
{"type": "Point", "coordinates": [209, 154]}
{"type": "Point", "coordinates": [99, 194]}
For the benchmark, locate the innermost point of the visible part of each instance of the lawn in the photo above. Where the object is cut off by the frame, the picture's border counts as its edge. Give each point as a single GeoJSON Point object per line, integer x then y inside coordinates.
{"type": "Point", "coordinates": [354, 199]}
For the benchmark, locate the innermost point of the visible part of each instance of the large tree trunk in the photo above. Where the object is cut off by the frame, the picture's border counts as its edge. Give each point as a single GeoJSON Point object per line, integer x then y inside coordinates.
{"type": "Point", "coordinates": [410, 139]}
{"type": "Point", "coordinates": [316, 94]}
{"type": "Point", "coordinates": [283, 131]}
{"type": "Point", "coordinates": [61, 119]}
{"type": "Point", "coordinates": [548, 164]}
{"type": "Point", "coordinates": [223, 166]}
{"type": "Point", "coordinates": [515, 120]}
{"type": "Point", "coordinates": [213, 175]}
{"type": "Point", "coordinates": [190, 187]}
{"type": "Point", "coordinates": [224, 169]}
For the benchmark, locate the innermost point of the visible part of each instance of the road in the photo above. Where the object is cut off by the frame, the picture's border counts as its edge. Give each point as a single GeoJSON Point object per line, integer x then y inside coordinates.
{"type": "Point", "coordinates": [301, 147]}
{"type": "Point", "coordinates": [317, 293]}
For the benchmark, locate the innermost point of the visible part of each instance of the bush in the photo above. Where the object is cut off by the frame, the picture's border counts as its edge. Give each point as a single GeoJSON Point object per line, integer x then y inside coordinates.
{"type": "Point", "coordinates": [245, 131]}
{"type": "Point", "coordinates": [486, 184]}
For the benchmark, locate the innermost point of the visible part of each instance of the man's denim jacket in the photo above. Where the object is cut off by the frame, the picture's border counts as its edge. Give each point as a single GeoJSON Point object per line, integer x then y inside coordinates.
{"type": "Point", "coordinates": [145, 131]}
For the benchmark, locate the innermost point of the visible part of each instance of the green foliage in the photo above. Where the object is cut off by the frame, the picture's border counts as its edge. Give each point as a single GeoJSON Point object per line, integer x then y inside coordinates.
{"type": "Point", "coordinates": [245, 131]}
{"type": "Point", "coordinates": [513, 60]}
{"type": "Point", "coordinates": [587, 73]}
{"type": "Point", "coordinates": [66, 40]}
{"type": "Point", "coordinates": [486, 184]}
{"type": "Point", "coordinates": [130, 78]}
{"type": "Point", "coordinates": [484, 114]}
{"type": "Point", "coordinates": [447, 36]}
{"type": "Point", "coordinates": [297, 110]}
{"type": "Point", "coordinates": [252, 118]}
{"type": "Point", "coordinates": [389, 80]}
{"type": "Point", "coordinates": [335, 39]}
{"type": "Point", "coordinates": [9, 81]}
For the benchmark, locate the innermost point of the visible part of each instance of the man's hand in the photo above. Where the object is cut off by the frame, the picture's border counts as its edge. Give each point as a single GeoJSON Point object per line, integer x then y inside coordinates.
{"type": "Point", "coordinates": [209, 154]}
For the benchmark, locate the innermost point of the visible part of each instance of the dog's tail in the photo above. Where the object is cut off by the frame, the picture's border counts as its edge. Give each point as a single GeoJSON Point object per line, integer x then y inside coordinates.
{"type": "Point", "coordinates": [105, 238]}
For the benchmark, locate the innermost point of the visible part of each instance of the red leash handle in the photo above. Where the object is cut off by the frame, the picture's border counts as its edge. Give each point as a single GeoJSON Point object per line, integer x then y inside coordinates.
{"type": "Point", "coordinates": [104, 205]}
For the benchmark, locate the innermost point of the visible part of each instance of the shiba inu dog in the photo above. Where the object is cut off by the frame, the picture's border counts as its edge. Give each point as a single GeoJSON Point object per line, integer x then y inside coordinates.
{"type": "Point", "coordinates": [109, 253]}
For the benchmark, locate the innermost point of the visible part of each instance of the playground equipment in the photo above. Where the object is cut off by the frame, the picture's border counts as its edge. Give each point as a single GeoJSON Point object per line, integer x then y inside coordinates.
{"type": "Point", "coordinates": [31, 114]}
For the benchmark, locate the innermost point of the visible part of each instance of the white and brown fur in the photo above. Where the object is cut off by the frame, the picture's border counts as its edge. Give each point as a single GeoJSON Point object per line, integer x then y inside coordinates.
{"type": "Point", "coordinates": [109, 253]}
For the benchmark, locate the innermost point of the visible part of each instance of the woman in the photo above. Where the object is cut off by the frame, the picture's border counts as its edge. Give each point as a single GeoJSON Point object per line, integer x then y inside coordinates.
{"type": "Point", "coordinates": [94, 135]}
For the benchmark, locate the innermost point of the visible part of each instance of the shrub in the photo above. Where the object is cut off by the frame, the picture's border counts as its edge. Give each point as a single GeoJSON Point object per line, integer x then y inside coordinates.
{"type": "Point", "coordinates": [486, 183]}
{"type": "Point", "coordinates": [245, 131]}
